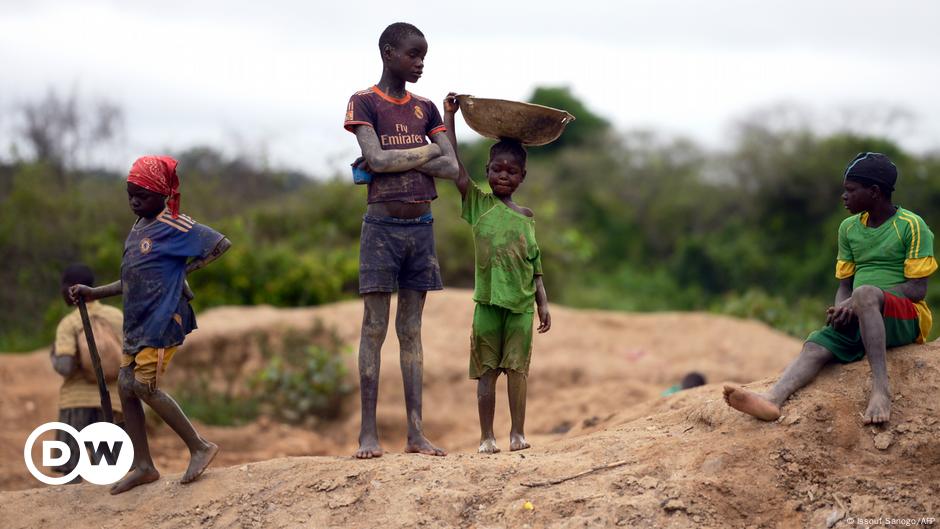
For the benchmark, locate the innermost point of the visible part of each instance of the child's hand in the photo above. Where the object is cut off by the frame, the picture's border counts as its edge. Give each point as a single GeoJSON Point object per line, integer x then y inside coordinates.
{"type": "Point", "coordinates": [545, 319]}
{"type": "Point", "coordinates": [361, 163]}
{"type": "Point", "coordinates": [77, 292]}
{"type": "Point", "coordinates": [839, 317]}
{"type": "Point", "coordinates": [451, 105]}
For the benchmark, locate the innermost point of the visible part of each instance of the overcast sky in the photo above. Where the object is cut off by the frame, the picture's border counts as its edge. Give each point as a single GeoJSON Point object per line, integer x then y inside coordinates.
{"type": "Point", "coordinates": [277, 75]}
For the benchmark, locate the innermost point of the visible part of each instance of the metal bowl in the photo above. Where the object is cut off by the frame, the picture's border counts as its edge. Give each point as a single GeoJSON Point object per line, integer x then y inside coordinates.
{"type": "Point", "coordinates": [525, 122]}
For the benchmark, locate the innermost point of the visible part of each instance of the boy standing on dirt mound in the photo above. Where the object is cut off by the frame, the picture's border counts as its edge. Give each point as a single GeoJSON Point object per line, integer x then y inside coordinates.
{"type": "Point", "coordinates": [396, 249]}
{"type": "Point", "coordinates": [79, 399]}
{"type": "Point", "coordinates": [162, 247]}
{"type": "Point", "coordinates": [885, 257]}
{"type": "Point", "coordinates": [507, 282]}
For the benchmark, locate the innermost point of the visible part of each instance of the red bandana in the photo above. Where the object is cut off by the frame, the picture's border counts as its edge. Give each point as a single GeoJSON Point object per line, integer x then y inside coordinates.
{"type": "Point", "coordinates": [158, 174]}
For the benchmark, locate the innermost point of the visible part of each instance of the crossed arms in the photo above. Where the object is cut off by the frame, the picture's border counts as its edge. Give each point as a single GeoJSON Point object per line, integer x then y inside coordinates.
{"type": "Point", "coordinates": [435, 159]}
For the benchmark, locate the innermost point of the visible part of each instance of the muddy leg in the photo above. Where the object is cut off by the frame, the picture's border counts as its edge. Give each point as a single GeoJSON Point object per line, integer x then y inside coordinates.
{"type": "Point", "coordinates": [800, 372]}
{"type": "Point", "coordinates": [201, 452]}
{"type": "Point", "coordinates": [408, 326]}
{"type": "Point", "coordinates": [868, 303]}
{"type": "Point", "coordinates": [486, 404]}
{"type": "Point", "coordinates": [517, 394]}
{"type": "Point", "coordinates": [143, 470]}
{"type": "Point", "coordinates": [374, 328]}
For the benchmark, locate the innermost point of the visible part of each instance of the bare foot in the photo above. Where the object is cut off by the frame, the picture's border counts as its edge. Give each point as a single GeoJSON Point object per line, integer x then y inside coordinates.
{"type": "Point", "coordinates": [135, 477]}
{"type": "Point", "coordinates": [751, 403]}
{"type": "Point", "coordinates": [369, 447]}
{"type": "Point", "coordinates": [423, 446]}
{"type": "Point", "coordinates": [488, 446]}
{"type": "Point", "coordinates": [517, 442]}
{"type": "Point", "coordinates": [199, 461]}
{"type": "Point", "coordinates": [879, 408]}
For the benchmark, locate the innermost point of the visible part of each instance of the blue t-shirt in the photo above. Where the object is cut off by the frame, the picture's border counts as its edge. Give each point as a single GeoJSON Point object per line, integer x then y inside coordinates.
{"type": "Point", "coordinates": [152, 272]}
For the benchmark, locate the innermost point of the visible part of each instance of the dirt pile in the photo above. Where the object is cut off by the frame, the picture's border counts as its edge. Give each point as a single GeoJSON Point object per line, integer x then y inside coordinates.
{"type": "Point", "coordinates": [594, 408]}
{"type": "Point", "coordinates": [681, 461]}
{"type": "Point", "coordinates": [591, 365]}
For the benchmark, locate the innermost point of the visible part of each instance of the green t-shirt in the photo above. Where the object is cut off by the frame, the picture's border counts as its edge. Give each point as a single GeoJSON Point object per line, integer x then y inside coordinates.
{"type": "Point", "coordinates": [507, 258]}
{"type": "Point", "coordinates": [898, 250]}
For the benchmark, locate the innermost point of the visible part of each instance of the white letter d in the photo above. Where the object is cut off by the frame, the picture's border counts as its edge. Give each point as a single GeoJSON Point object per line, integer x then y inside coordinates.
{"type": "Point", "coordinates": [48, 446]}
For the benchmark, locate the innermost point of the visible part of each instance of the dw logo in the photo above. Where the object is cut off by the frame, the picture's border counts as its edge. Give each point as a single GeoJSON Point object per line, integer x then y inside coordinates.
{"type": "Point", "coordinates": [110, 448]}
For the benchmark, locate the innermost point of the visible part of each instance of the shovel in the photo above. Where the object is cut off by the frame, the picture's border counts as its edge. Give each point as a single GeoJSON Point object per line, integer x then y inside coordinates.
{"type": "Point", "coordinates": [96, 362]}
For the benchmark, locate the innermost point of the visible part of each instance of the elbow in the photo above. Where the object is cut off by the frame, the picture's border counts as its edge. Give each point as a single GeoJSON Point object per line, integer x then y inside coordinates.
{"type": "Point", "coordinates": [379, 163]}
{"type": "Point", "coordinates": [452, 170]}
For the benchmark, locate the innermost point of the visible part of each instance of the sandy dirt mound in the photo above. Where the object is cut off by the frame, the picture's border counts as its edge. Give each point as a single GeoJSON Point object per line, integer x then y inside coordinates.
{"type": "Point", "coordinates": [681, 461]}
{"type": "Point", "coordinates": [591, 365]}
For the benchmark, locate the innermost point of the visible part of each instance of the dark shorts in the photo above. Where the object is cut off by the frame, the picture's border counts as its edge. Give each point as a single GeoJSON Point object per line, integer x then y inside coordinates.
{"type": "Point", "coordinates": [902, 327]}
{"type": "Point", "coordinates": [78, 418]}
{"type": "Point", "coordinates": [398, 253]}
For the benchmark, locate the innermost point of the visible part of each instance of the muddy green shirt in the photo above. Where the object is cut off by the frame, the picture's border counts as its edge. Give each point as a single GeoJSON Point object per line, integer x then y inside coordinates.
{"type": "Point", "coordinates": [507, 258]}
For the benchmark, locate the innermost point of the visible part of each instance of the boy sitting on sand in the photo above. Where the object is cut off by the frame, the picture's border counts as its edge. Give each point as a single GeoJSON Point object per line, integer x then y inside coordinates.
{"type": "Point", "coordinates": [885, 257]}
{"type": "Point", "coordinates": [507, 282]}
{"type": "Point", "coordinates": [157, 315]}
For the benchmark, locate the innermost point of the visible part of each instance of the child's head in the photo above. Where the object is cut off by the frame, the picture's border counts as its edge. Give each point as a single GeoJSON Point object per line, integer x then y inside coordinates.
{"type": "Point", "coordinates": [693, 380]}
{"type": "Point", "coordinates": [506, 169]}
{"type": "Point", "coordinates": [403, 48]}
{"type": "Point", "coordinates": [869, 179]}
{"type": "Point", "coordinates": [152, 185]}
{"type": "Point", "coordinates": [75, 274]}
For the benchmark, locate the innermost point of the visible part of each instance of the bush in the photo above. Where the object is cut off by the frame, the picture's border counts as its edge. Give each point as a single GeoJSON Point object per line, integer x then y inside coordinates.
{"type": "Point", "coordinates": [304, 381]}
{"type": "Point", "coordinates": [797, 318]}
{"type": "Point", "coordinates": [302, 378]}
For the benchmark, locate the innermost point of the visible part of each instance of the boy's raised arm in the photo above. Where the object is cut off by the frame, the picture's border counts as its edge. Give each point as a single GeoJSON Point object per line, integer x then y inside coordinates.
{"type": "Point", "coordinates": [450, 109]}
{"type": "Point", "coordinates": [392, 161]}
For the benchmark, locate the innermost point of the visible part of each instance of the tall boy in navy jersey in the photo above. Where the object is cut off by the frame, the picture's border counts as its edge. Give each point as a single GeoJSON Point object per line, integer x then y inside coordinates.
{"type": "Point", "coordinates": [162, 247]}
{"type": "Point", "coordinates": [397, 244]}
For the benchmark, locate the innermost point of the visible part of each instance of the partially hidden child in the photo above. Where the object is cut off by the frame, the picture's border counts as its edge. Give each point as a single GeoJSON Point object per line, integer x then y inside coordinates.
{"type": "Point", "coordinates": [79, 397]}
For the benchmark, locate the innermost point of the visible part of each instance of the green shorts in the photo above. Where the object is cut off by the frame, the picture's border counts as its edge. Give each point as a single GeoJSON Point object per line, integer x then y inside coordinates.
{"type": "Point", "coordinates": [500, 339]}
{"type": "Point", "coordinates": [902, 327]}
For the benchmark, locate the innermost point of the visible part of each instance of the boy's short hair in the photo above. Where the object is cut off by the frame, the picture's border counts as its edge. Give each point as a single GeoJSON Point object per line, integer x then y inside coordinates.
{"type": "Point", "coordinates": [78, 274]}
{"type": "Point", "coordinates": [397, 32]}
{"type": "Point", "coordinates": [512, 148]}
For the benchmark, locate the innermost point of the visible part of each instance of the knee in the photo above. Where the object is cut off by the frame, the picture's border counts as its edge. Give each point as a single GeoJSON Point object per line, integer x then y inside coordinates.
{"type": "Point", "coordinates": [815, 353]}
{"type": "Point", "coordinates": [130, 386]}
{"type": "Point", "coordinates": [126, 381]}
{"type": "Point", "coordinates": [408, 331]}
{"type": "Point", "coordinates": [374, 328]}
{"type": "Point", "coordinates": [486, 385]}
{"type": "Point", "coordinates": [866, 297]}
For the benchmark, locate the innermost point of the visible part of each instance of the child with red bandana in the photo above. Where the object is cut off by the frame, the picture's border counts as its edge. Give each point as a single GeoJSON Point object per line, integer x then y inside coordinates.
{"type": "Point", "coordinates": [162, 247]}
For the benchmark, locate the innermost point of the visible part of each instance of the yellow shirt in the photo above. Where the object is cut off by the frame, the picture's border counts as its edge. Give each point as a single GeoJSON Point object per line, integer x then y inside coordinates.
{"type": "Point", "coordinates": [76, 392]}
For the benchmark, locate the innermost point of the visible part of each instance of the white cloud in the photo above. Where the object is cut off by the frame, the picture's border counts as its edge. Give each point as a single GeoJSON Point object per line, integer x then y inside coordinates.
{"type": "Point", "coordinates": [279, 74]}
